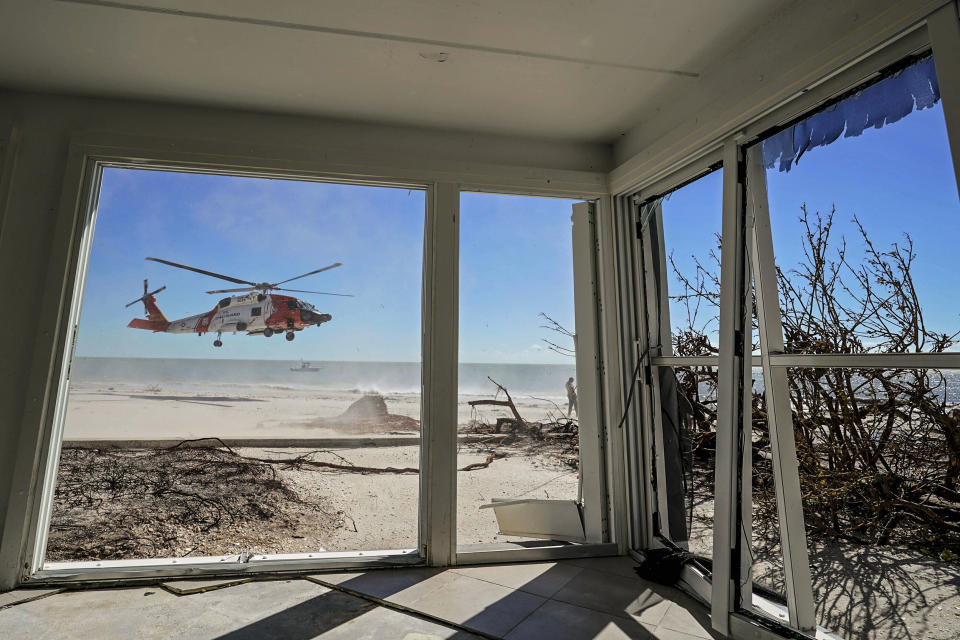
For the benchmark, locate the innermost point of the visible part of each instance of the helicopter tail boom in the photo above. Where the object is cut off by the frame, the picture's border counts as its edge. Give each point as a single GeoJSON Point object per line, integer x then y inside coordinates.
{"type": "Point", "coordinates": [149, 325]}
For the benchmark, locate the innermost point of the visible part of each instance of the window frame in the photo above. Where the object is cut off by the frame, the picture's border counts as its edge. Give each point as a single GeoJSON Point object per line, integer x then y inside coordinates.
{"type": "Point", "coordinates": [591, 271]}
{"type": "Point", "coordinates": [27, 523]}
{"type": "Point", "coordinates": [761, 258]}
{"type": "Point", "coordinates": [750, 259]}
{"type": "Point", "coordinates": [87, 171]}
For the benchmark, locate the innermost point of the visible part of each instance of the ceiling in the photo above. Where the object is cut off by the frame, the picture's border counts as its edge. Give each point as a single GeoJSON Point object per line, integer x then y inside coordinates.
{"type": "Point", "coordinates": [559, 69]}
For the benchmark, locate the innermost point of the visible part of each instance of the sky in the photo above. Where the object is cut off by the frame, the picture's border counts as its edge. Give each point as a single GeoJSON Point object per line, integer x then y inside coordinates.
{"type": "Point", "coordinates": [898, 179]}
{"type": "Point", "coordinates": [516, 260]}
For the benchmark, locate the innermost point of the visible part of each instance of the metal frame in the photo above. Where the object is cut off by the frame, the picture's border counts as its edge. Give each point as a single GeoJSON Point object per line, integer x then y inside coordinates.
{"type": "Point", "coordinates": [636, 435]}
{"type": "Point", "coordinates": [657, 349]}
{"type": "Point", "coordinates": [730, 410]}
{"type": "Point", "coordinates": [610, 371]}
{"type": "Point", "coordinates": [657, 342]}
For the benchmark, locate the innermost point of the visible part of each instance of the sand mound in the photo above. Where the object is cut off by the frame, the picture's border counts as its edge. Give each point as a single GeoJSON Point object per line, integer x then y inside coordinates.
{"type": "Point", "coordinates": [369, 414]}
{"type": "Point", "coordinates": [369, 407]}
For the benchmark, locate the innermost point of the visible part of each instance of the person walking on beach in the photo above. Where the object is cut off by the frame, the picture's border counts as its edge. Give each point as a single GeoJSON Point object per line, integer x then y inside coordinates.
{"type": "Point", "coordinates": [571, 398]}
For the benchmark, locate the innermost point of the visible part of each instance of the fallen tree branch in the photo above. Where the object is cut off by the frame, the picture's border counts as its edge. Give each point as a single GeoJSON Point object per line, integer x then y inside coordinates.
{"type": "Point", "coordinates": [485, 463]}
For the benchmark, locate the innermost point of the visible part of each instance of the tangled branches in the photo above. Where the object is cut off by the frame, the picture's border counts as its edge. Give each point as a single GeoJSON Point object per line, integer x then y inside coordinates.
{"type": "Point", "coordinates": [879, 449]}
{"type": "Point", "coordinates": [150, 503]}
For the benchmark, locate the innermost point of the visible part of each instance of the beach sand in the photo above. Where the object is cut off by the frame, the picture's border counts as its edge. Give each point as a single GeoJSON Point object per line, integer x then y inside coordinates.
{"type": "Point", "coordinates": [125, 412]}
{"type": "Point", "coordinates": [365, 511]}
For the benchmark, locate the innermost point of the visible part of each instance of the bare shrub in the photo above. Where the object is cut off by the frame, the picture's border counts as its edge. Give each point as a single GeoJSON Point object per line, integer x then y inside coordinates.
{"type": "Point", "coordinates": [879, 449]}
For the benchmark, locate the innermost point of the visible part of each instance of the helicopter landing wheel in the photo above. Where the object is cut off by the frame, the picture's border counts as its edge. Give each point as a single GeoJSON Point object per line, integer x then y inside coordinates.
{"type": "Point", "coordinates": [267, 332]}
{"type": "Point", "coordinates": [290, 336]}
{"type": "Point", "coordinates": [217, 343]}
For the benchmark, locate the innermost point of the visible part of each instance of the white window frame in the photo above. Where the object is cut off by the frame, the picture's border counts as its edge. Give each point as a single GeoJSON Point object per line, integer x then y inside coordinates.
{"type": "Point", "coordinates": [599, 491]}
{"type": "Point", "coordinates": [26, 527]}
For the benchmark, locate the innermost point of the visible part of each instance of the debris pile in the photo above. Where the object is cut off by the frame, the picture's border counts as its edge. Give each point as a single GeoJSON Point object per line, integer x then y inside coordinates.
{"type": "Point", "coordinates": [557, 436]}
{"type": "Point", "coordinates": [173, 502]}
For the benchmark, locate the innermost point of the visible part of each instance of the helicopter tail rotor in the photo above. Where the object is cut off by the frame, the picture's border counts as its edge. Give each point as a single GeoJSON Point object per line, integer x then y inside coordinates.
{"type": "Point", "coordinates": [155, 321]}
{"type": "Point", "coordinates": [145, 295]}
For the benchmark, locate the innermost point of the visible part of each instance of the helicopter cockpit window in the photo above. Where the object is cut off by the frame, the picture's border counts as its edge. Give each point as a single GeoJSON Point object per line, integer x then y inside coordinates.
{"type": "Point", "coordinates": [165, 371]}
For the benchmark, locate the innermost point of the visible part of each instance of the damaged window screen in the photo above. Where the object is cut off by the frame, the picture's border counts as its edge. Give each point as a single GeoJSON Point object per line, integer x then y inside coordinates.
{"type": "Point", "coordinates": [243, 345]}
{"type": "Point", "coordinates": [517, 418]}
{"type": "Point", "coordinates": [864, 210]}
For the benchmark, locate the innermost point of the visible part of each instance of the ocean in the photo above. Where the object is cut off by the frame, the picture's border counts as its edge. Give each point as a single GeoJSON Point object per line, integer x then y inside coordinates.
{"type": "Point", "coordinates": [384, 377]}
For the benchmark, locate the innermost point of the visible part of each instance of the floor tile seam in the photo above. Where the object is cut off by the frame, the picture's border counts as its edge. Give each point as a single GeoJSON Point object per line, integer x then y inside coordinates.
{"type": "Point", "coordinates": [539, 595]}
{"type": "Point", "coordinates": [695, 635]}
{"type": "Point", "coordinates": [433, 588]}
{"type": "Point", "coordinates": [524, 618]}
{"type": "Point", "coordinates": [682, 633]}
{"type": "Point", "coordinates": [623, 616]}
{"type": "Point", "coordinates": [406, 609]}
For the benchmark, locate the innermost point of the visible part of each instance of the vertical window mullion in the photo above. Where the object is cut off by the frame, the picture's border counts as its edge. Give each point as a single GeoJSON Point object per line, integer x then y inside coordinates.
{"type": "Point", "coordinates": [793, 539]}
{"type": "Point", "coordinates": [438, 476]}
{"type": "Point", "coordinates": [729, 396]}
{"type": "Point", "coordinates": [588, 371]}
{"type": "Point", "coordinates": [644, 433]}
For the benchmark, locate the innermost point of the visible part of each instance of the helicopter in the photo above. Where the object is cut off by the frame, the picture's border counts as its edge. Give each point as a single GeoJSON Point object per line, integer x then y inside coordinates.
{"type": "Point", "coordinates": [258, 312]}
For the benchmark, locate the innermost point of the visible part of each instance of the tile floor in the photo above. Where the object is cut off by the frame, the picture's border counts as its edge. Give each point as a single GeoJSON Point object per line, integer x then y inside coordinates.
{"type": "Point", "coordinates": [568, 599]}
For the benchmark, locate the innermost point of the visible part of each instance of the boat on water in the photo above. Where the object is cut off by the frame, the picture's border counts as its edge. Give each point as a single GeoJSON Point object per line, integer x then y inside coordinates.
{"type": "Point", "coordinates": [304, 367]}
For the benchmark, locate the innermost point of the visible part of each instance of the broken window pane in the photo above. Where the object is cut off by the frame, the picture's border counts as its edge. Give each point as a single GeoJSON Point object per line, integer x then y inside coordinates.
{"type": "Point", "coordinates": [680, 238]}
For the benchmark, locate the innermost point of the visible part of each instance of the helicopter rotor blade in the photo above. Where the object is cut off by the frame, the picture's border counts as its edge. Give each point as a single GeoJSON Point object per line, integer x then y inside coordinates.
{"type": "Point", "coordinates": [233, 290]}
{"type": "Point", "coordinates": [204, 272]}
{"type": "Point", "coordinates": [322, 293]}
{"type": "Point", "coordinates": [332, 266]}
